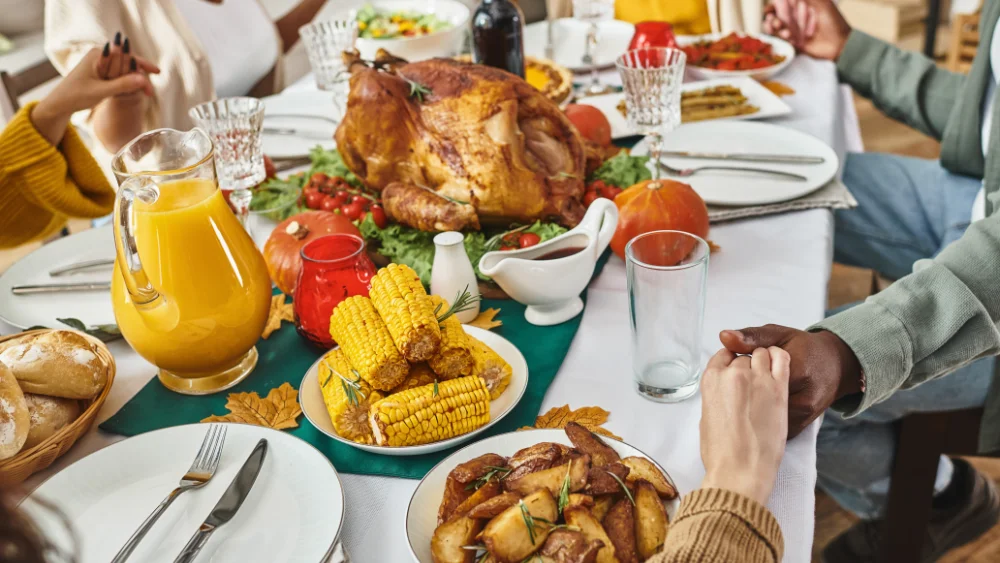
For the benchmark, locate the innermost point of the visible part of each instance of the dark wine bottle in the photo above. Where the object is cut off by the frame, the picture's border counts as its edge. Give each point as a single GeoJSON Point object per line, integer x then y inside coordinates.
{"type": "Point", "coordinates": [498, 36]}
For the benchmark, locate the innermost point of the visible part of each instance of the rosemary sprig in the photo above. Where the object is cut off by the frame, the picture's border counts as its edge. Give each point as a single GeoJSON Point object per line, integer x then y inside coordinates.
{"type": "Point", "coordinates": [418, 90]}
{"type": "Point", "coordinates": [563, 174]}
{"type": "Point", "coordinates": [351, 387]}
{"type": "Point", "coordinates": [463, 302]}
{"type": "Point", "coordinates": [628, 493]}
{"type": "Point", "coordinates": [529, 520]}
{"type": "Point", "coordinates": [481, 552]}
{"type": "Point", "coordinates": [494, 471]}
{"type": "Point", "coordinates": [564, 490]}
{"type": "Point", "coordinates": [494, 241]}
{"type": "Point", "coordinates": [442, 196]}
{"type": "Point", "coordinates": [436, 393]}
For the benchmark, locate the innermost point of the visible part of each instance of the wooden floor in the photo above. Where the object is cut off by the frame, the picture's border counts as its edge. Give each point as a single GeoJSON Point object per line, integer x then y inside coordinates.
{"type": "Point", "coordinates": [882, 134]}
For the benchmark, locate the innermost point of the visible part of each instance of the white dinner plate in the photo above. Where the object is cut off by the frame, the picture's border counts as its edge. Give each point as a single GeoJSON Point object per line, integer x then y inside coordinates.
{"type": "Point", "coordinates": [778, 47]}
{"type": "Point", "coordinates": [91, 307]}
{"type": "Point", "coordinates": [311, 114]}
{"type": "Point", "coordinates": [311, 399]}
{"type": "Point", "coordinates": [770, 104]}
{"type": "Point", "coordinates": [293, 513]}
{"type": "Point", "coordinates": [569, 37]}
{"type": "Point", "coordinates": [421, 515]}
{"type": "Point", "coordinates": [739, 188]}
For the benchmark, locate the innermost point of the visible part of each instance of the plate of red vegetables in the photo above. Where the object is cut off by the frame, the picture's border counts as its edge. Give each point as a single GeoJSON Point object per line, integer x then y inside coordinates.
{"type": "Point", "coordinates": [718, 55]}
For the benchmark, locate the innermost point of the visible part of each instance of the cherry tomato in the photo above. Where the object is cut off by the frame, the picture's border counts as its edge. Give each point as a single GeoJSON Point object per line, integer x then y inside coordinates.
{"type": "Point", "coordinates": [353, 211]}
{"type": "Point", "coordinates": [528, 239]}
{"type": "Point", "coordinates": [318, 178]}
{"type": "Point", "coordinates": [359, 199]}
{"type": "Point", "coordinates": [609, 192]}
{"type": "Point", "coordinates": [378, 215]}
{"type": "Point", "coordinates": [343, 194]}
{"type": "Point", "coordinates": [340, 200]}
{"type": "Point", "coordinates": [329, 203]}
{"type": "Point", "coordinates": [589, 198]}
{"type": "Point", "coordinates": [314, 199]}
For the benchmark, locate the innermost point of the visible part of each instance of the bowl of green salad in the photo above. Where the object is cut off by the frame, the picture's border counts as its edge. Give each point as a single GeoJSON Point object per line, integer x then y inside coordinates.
{"type": "Point", "coordinates": [412, 29]}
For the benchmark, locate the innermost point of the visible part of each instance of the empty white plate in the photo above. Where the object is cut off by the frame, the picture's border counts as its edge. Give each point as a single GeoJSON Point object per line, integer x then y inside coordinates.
{"type": "Point", "coordinates": [293, 513]}
{"type": "Point", "coordinates": [569, 37]}
{"type": "Point", "coordinates": [295, 122]}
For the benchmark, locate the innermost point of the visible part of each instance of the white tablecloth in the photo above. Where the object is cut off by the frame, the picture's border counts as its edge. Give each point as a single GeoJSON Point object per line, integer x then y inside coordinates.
{"type": "Point", "coordinates": [773, 269]}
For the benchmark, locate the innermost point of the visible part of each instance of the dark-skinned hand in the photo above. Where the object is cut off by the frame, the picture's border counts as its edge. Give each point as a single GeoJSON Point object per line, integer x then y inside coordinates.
{"type": "Point", "coordinates": [823, 368]}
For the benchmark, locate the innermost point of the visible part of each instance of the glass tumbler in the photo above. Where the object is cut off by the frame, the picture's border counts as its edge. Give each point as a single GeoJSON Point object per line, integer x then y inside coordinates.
{"type": "Point", "coordinates": [234, 125]}
{"type": "Point", "coordinates": [666, 273]}
{"type": "Point", "coordinates": [325, 43]}
{"type": "Point", "coordinates": [651, 80]}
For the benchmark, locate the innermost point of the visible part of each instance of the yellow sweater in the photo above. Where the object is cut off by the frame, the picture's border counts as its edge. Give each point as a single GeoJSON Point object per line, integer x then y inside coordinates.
{"type": "Point", "coordinates": [42, 185]}
{"type": "Point", "coordinates": [719, 526]}
{"type": "Point", "coordinates": [689, 17]}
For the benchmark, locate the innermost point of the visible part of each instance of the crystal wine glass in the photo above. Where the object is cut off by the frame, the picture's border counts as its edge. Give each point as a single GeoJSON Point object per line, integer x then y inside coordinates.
{"type": "Point", "coordinates": [325, 43]}
{"type": "Point", "coordinates": [593, 11]}
{"type": "Point", "coordinates": [651, 80]}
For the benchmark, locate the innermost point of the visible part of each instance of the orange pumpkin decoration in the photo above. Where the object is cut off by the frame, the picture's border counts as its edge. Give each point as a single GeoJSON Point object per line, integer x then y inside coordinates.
{"type": "Point", "coordinates": [282, 250]}
{"type": "Point", "coordinates": [657, 205]}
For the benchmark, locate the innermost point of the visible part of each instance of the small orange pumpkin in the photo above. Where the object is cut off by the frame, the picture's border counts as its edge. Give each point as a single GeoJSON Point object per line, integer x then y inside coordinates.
{"type": "Point", "coordinates": [656, 205]}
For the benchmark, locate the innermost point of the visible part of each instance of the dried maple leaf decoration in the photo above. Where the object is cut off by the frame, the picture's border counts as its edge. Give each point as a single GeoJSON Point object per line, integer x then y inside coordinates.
{"type": "Point", "coordinates": [487, 320]}
{"type": "Point", "coordinates": [590, 418]}
{"type": "Point", "coordinates": [278, 410]}
{"type": "Point", "coordinates": [280, 311]}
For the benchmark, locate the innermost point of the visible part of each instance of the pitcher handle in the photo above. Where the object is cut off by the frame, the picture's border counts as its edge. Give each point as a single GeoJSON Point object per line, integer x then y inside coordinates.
{"type": "Point", "coordinates": [600, 222]}
{"type": "Point", "coordinates": [130, 265]}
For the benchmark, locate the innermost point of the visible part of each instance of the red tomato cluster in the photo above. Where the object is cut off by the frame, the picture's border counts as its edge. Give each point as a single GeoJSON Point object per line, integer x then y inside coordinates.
{"type": "Point", "coordinates": [597, 189]}
{"type": "Point", "coordinates": [732, 52]}
{"type": "Point", "coordinates": [515, 241]}
{"type": "Point", "coordinates": [334, 194]}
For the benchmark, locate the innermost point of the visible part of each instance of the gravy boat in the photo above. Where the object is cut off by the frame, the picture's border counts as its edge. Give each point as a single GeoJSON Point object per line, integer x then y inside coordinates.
{"type": "Point", "coordinates": [551, 287]}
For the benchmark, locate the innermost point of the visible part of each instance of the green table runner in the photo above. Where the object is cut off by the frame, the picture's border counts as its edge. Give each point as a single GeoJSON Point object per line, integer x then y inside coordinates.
{"type": "Point", "coordinates": [285, 358]}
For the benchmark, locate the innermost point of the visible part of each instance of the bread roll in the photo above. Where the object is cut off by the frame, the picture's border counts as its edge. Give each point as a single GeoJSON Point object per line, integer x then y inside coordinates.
{"type": "Point", "coordinates": [14, 420]}
{"type": "Point", "coordinates": [48, 415]}
{"type": "Point", "coordinates": [58, 363]}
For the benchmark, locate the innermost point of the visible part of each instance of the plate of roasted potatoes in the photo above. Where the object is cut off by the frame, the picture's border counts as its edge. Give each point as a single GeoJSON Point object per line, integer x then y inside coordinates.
{"type": "Point", "coordinates": [553, 496]}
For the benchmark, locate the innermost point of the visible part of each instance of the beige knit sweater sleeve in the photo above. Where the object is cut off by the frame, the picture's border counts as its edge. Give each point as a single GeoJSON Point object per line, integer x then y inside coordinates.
{"type": "Point", "coordinates": [719, 526]}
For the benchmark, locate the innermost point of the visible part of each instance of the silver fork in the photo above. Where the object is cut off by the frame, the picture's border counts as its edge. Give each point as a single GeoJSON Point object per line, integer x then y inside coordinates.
{"type": "Point", "coordinates": [201, 471]}
{"type": "Point", "coordinates": [685, 172]}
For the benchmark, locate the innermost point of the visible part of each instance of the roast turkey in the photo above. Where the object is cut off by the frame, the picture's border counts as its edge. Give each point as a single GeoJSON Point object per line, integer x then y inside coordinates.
{"type": "Point", "coordinates": [454, 145]}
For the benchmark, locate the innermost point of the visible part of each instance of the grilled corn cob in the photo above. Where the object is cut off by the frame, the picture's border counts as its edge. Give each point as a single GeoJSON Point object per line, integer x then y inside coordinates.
{"type": "Point", "coordinates": [347, 398]}
{"type": "Point", "coordinates": [363, 336]}
{"type": "Point", "coordinates": [407, 310]}
{"type": "Point", "coordinates": [493, 369]}
{"type": "Point", "coordinates": [420, 375]}
{"type": "Point", "coordinates": [431, 413]}
{"type": "Point", "coordinates": [453, 359]}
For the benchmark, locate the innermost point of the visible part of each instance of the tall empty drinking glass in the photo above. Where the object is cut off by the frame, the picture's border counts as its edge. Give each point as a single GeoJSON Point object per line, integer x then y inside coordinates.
{"type": "Point", "coordinates": [651, 80]}
{"type": "Point", "coordinates": [666, 289]}
{"type": "Point", "coordinates": [325, 43]}
{"type": "Point", "coordinates": [234, 126]}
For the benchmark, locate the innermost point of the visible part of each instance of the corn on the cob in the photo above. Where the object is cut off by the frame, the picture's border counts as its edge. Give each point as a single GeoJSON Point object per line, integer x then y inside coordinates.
{"type": "Point", "coordinates": [347, 398]}
{"type": "Point", "coordinates": [407, 310]}
{"type": "Point", "coordinates": [431, 413]}
{"type": "Point", "coordinates": [493, 369]}
{"type": "Point", "coordinates": [420, 375]}
{"type": "Point", "coordinates": [362, 335]}
{"type": "Point", "coordinates": [453, 359]}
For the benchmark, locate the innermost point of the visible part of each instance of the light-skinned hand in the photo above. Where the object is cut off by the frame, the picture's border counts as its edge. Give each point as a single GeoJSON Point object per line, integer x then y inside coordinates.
{"type": "Point", "coordinates": [744, 421]}
{"type": "Point", "coordinates": [814, 27]}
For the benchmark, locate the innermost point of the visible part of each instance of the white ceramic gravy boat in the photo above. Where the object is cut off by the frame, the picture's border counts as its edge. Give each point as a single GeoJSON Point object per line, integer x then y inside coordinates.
{"type": "Point", "coordinates": [551, 288]}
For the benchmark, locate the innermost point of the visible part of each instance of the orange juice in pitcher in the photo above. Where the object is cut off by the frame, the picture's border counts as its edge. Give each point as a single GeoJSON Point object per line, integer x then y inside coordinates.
{"type": "Point", "coordinates": [190, 291]}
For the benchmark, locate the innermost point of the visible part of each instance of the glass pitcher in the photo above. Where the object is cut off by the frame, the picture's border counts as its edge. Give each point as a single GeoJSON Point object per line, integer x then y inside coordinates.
{"type": "Point", "coordinates": [190, 291]}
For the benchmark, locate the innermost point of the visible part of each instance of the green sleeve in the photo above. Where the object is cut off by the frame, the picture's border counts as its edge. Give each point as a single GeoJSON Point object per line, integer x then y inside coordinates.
{"type": "Point", "coordinates": [906, 86]}
{"type": "Point", "coordinates": [929, 323]}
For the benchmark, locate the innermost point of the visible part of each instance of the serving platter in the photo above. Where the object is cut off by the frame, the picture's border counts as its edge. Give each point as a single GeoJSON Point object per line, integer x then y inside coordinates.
{"type": "Point", "coordinates": [311, 400]}
{"type": "Point", "coordinates": [778, 47]}
{"type": "Point", "coordinates": [421, 514]}
{"type": "Point", "coordinates": [294, 512]}
{"type": "Point", "coordinates": [312, 115]}
{"type": "Point", "coordinates": [769, 104]}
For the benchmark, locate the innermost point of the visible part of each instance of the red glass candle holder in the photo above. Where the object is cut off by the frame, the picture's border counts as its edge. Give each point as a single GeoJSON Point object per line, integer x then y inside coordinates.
{"type": "Point", "coordinates": [334, 267]}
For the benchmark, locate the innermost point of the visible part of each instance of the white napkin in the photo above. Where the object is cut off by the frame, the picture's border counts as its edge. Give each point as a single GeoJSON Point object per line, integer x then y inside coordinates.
{"type": "Point", "coordinates": [834, 195]}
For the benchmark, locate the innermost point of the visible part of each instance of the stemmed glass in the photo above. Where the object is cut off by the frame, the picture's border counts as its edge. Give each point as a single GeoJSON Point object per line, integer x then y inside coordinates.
{"type": "Point", "coordinates": [325, 43]}
{"type": "Point", "coordinates": [593, 11]}
{"type": "Point", "coordinates": [651, 80]}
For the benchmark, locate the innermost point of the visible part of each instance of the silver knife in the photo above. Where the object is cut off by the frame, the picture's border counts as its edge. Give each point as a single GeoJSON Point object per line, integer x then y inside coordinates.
{"type": "Point", "coordinates": [59, 288]}
{"type": "Point", "coordinates": [288, 131]}
{"type": "Point", "coordinates": [228, 505]}
{"type": "Point", "coordinates": [80, 266]}
{"type": "Point", "coordinates": [747, 157]}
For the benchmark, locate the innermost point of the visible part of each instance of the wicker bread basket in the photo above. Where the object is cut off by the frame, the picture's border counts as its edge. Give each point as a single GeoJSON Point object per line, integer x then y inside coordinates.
{"type": "Point", "coordinates": [18, 468]}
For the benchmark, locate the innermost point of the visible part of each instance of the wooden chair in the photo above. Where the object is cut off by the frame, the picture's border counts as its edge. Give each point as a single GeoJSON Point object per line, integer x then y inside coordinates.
{"type": "Point", "coordinates": [922, 439]}
{"type": "Point", "coordinates": [13, 86]}
{"type": "Point", "coordinates": [964, 42]}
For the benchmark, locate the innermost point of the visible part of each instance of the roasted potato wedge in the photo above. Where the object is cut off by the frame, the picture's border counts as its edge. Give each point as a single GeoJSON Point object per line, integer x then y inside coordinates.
{"type": "Point", "coordinates": [486, 492]}
{"type": "Point", "coordinates": [539, 457]}
{"type": "Point", "coordinates": [587, 442]}
{"type": "Point", "coordinates": [455, 494]}
{"type": "Point", "coordinates": [450, 537]}
{"type": "Point", "coordinates": [552, 478]}
{"type": "Point", "coordinates": [494, 506]}
{"type": "Point", "coordinates": [508, 538]}
{"type": "Point", "coordinates": [619, 524]}
{"type": "Point", "coordinates": [473, 469]}
{"type": "Point", "coordinates": [591, 528]}
{"type": "Point", "coordinates": [650, 520]}
{"type": "Point", "coordinates": [642, 468]}
{"type": "Point", "coordinates": [570, 546]}
{"type": "Point", "coordinates": [602, 481]}
{"type": "Point", "coordinates": [602, 504]}
{"type": "Point", "coordinates": [577, 499]}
